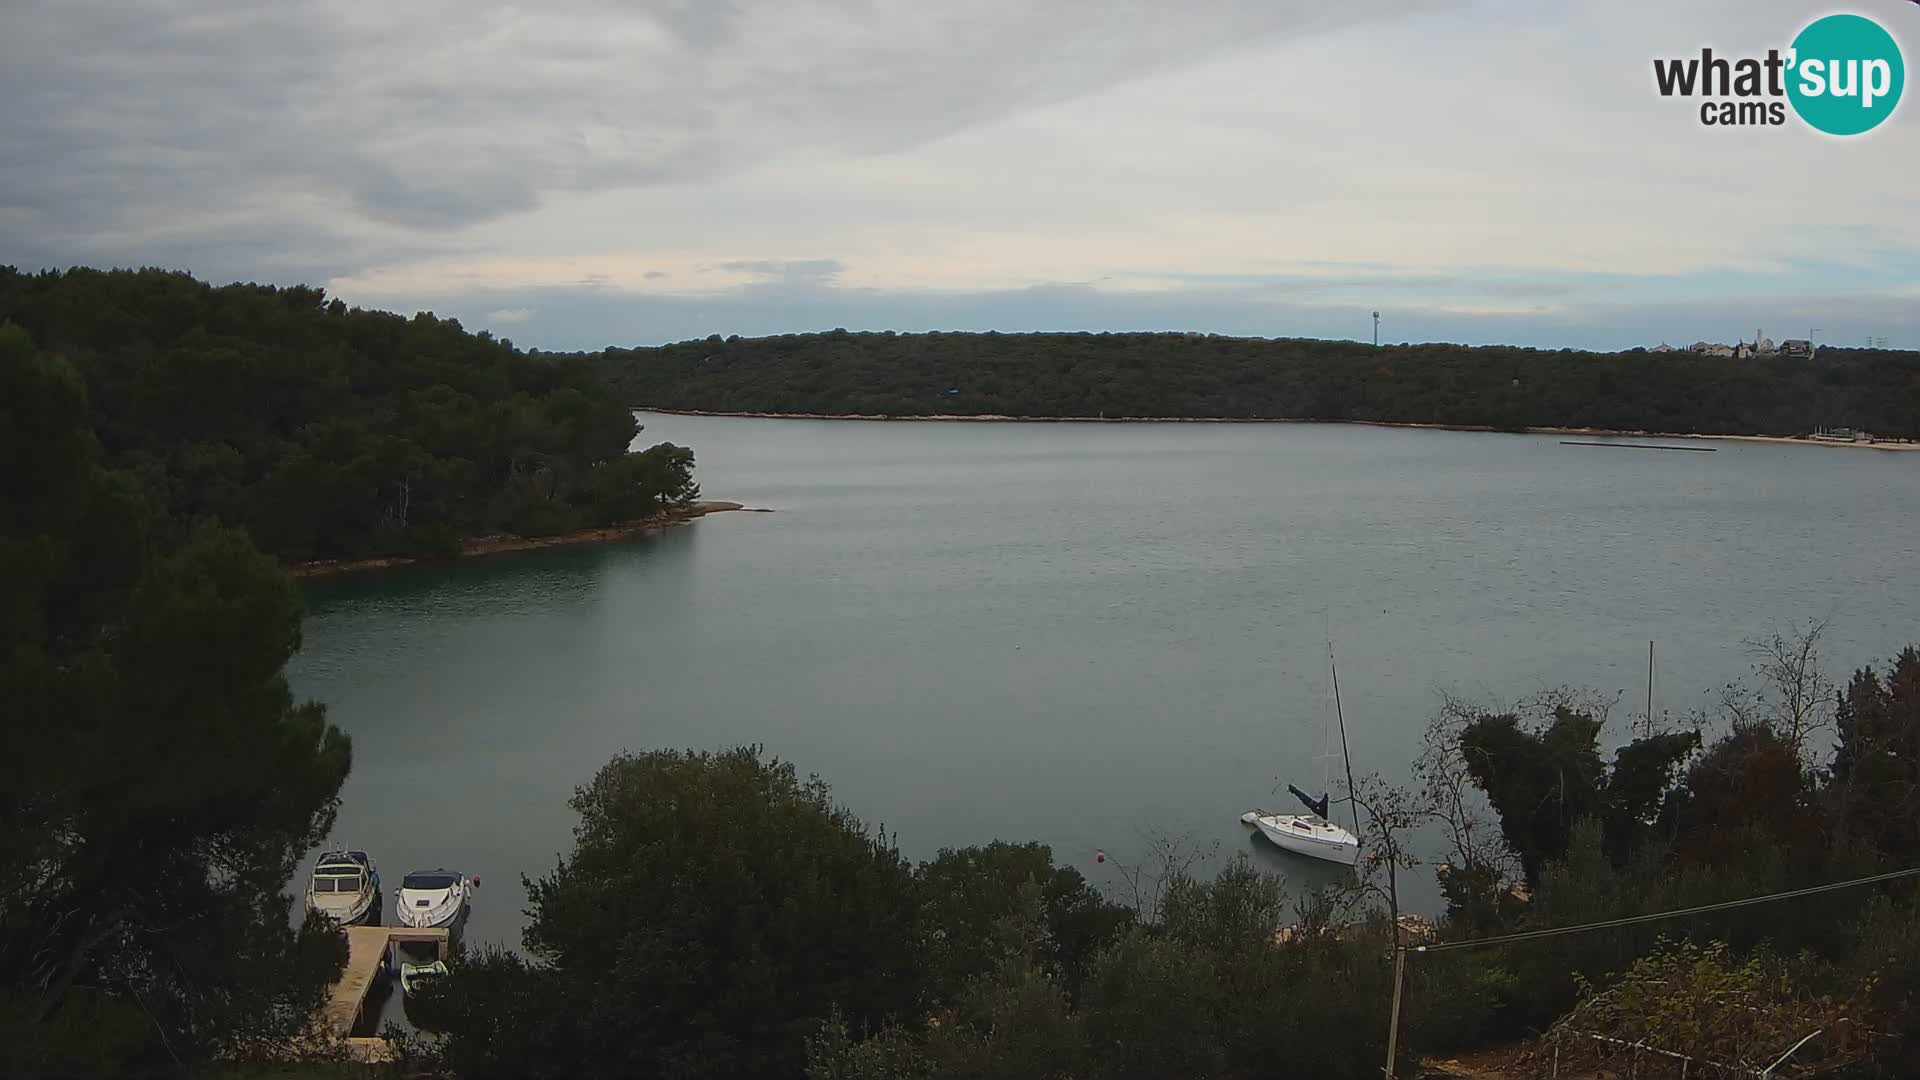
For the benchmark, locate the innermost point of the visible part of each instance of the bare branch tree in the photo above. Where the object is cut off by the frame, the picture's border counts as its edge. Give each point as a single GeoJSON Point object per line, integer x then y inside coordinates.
{"type": "Point", "coordinates": [1392, 815]}
{"type": "Point", "coordinates": [1169, 858]}
{"type": "Point", "coordinates": [1789, 689]}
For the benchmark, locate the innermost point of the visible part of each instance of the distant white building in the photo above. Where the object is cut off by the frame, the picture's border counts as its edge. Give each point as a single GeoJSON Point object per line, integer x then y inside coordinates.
{"type": "Point", "coordinates": [1761, 345]}
{"type": "Point", "coordinates": [1663, 347]}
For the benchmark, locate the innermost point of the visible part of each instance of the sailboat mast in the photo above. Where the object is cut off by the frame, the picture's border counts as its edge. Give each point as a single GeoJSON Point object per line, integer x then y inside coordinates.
{"type": "Point", "coordinates": [1345, 758]}
{"type": "Point", "coordinates": [1649, 689]}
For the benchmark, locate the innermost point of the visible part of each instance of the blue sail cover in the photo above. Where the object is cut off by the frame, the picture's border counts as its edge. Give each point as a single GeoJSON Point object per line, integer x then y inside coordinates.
{"type": "Point", "coordinates": [1318, 806]}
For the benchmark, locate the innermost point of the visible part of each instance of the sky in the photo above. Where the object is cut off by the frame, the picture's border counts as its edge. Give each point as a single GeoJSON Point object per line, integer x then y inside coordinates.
{"type": "Point", "coordinates": [573, 174]}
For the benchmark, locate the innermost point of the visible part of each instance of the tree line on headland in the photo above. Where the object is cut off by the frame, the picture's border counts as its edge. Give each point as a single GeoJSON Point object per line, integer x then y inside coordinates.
{"type": "Point", "coordinates": [1194, 376]}
{"type": "Point", "coordinates": [329, 432]}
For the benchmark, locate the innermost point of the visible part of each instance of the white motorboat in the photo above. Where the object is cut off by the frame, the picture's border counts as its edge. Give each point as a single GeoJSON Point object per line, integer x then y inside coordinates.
{"type": "Point", "coordinates": [345, 887]}
{"type": "Point", "coordinates": [433, 898]}
{"type": "Point", "coordinates": [1313, 834]}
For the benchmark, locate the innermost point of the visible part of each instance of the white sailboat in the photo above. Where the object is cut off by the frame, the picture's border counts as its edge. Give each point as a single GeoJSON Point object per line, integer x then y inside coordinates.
{"type": "Point", "coordinates": [1313, 834]}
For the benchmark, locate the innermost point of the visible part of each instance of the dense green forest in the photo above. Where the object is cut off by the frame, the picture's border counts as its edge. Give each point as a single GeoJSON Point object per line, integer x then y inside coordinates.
{"type": "Point", "coordinates": [330, 432]}
{"type": "Point", "coordinates": [162, 782]}
{"type": "Point", "coordinates": [1182, 375]}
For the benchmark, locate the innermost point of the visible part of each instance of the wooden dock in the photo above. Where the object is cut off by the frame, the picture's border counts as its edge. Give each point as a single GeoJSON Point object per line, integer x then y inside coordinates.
{"type": "Point", "coordinates": [369, 950]}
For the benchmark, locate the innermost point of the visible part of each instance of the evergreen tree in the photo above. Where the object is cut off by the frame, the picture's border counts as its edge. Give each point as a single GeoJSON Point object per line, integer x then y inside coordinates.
{"type": "Point", "coordinates": [162, 782]}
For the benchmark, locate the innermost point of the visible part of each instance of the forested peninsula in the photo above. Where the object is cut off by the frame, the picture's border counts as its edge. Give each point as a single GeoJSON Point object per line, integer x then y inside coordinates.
{"type": "Point", "coordinates": [335, 434]}
{"type": "Point", "coordinates": [1191, 376]}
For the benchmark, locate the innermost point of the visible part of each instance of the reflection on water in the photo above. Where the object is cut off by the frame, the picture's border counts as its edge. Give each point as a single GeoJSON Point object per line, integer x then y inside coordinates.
{"type": "Point", "coordinates": [1304, 876]}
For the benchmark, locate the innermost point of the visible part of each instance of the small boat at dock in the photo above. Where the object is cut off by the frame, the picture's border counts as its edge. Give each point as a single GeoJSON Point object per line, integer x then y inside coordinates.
{"type": "Point", "coordinates": [415, 977]}
{"type": "Point", "coordinates": [429, 899]}
{"type": "Point", "coordinates": [345, 887]}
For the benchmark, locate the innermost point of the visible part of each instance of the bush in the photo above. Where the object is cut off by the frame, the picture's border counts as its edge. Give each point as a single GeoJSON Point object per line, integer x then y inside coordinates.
{"type": "Point", "coordinates": [715, 911]}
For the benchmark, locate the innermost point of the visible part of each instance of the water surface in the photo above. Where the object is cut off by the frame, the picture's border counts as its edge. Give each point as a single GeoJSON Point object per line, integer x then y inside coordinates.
{"type": "Point", "coordinates": [1079, 633]}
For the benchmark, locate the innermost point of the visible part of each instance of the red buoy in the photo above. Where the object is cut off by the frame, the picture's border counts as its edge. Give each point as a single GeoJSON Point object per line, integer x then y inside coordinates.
{"type": "Point", "coordinates": [1099, 856]}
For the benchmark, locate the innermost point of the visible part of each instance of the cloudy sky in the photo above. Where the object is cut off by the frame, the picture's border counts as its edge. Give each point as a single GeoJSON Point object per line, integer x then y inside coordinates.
{"type": "Point", "coordinates": [576, 173]}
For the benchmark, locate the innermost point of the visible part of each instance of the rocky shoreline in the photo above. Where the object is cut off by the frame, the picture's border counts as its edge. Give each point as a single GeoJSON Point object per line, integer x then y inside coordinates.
{"type": "Point", "coordinates": [480, 546]}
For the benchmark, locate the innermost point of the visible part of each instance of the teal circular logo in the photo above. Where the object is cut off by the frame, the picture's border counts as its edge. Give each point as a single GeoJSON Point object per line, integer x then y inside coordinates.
{"type": "Point", "coordinates": [1846, 74]}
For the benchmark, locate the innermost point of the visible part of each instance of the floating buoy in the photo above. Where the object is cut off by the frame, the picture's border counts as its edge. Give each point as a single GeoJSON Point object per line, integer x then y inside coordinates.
{"type": "Point", "coordinates": [1099, 856]}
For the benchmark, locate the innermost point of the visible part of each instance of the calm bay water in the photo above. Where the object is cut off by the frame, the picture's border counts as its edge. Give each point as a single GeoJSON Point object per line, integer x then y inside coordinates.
{"type": "Point", "coordinates": [1079, 633]}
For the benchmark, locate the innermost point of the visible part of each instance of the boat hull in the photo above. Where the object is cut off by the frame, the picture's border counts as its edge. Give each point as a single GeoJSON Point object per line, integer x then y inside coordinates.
{"type": "Point", "coordinates": [438, 921]}
{"type": "Point", "coordinates": [1279, 830]}
{"type": "Point", "coordinates": [364, 913]}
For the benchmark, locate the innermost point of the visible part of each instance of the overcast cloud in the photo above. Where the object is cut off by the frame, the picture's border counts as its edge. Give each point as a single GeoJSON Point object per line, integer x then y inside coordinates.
{"type": "Point", "coordinates": [576, 173]}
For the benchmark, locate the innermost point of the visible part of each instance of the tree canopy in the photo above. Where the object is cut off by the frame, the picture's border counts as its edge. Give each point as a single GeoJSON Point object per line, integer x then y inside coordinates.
{"type": "Point", "coordinates": [715, 909]}
{"type": "Point", "coordinates": [1545, 780]}
{"type": "Point", "coordinates": [161, 780]}
{"type": "Point", "coordinates": [1876, 766]}
{"type": "Point", "coordinates": [331, 432]}
{"type": "Point", "coordinates": [1190, 375]}
{"type": "Point", "coordinates": [1681, 821]}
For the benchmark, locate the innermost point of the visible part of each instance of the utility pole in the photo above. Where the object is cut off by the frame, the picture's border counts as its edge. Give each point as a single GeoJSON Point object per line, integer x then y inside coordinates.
{"type": "Point", "coordinates": [1376, 329]}
{"type": "Point", "coordinates": [1393, 1024]}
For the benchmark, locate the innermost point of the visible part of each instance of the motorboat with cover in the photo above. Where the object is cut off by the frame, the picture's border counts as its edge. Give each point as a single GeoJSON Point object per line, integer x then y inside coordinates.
{"type": "Point", "coordinates": [345, 887]}
{"type": "Point", "coordinates": [428, 899]}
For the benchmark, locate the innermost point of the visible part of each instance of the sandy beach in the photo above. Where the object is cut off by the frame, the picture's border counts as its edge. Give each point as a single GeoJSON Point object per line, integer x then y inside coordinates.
{"type": "Point", "coordinates": [506, 543]}
{"type": "Point", "coordinates": [987, 418]}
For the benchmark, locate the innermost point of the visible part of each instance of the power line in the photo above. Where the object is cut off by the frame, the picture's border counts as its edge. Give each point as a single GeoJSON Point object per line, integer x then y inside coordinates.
{"type": "Point", "coordinates": [1630, 920]}
{"type": "Point", "coordinates": [1400, 953]}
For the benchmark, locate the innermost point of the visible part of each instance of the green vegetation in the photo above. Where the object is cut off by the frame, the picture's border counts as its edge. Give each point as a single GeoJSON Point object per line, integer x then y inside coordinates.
{"type": "Point", "coordinates": [1177, 375]}
{"type": "Point", "coordinates": [714, 908]}
{"type": "Point", "coordinates": [336, 433]}
{"type": "Point", "coordinates": [1544, 782]}
{"type": "Point", "coordinates": [1699, 1002]}
{"type": "Point", "coordinates": [719, 916]}
{"type": "Point", "coordinates": [161, 781]}
{"type": "Point", "coordinates": [1750, 813]}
